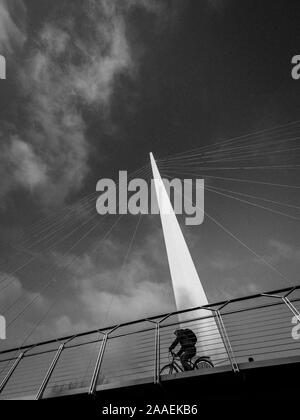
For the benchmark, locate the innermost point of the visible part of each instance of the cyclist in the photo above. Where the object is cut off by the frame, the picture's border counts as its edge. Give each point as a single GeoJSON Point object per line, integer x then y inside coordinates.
{"type": "Point", "coordinates": [187, 339]}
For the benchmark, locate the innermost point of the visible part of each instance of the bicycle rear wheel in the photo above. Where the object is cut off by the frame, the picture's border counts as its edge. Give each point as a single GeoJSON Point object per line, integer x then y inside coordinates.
{"type": "Point", "coordinates": [168, 370]}
{"type": "Point", "coordinates": [203, 363]}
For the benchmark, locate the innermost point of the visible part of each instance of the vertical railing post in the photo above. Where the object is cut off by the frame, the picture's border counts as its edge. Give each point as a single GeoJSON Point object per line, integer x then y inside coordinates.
{"type": "Point", "coordinates": [286, 300]}
{"type": "Point", "coordinates": [292, 308]}
{"type": "Point", "coordinates": [156, 354]}
{"type": "Point", "coordinates": [97, 368]}
{"type": "Point", "coordinates": [226, 341]}
{"type": "Point", "coordinates": [157, 376]}
{"type": "Point", "coordinates": [11, 371]}
{"type": "Point", "coordinates": [157, 347]}
{"type": "Point", "coordinates": [49, 372]}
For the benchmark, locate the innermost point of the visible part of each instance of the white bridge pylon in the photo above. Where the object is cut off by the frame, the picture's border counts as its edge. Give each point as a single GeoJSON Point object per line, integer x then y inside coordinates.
{"type": "Point", "coordinates": [187, 287]}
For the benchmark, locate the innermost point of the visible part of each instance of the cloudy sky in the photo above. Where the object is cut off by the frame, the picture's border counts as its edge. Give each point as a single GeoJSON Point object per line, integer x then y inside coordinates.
{"type": "Point", "coordinates": [92, 87]}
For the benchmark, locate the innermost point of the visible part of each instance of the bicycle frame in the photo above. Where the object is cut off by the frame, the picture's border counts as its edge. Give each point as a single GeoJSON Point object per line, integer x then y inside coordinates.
{"type": "Point", "coordinates": [175, 364]}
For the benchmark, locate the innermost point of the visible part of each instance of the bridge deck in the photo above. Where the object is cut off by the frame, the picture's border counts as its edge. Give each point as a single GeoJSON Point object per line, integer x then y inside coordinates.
{"type": "Point", "coordinates": [132, 354]}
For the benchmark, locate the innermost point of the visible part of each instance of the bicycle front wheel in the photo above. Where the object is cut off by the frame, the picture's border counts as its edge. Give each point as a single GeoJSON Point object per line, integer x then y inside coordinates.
{"type": "Point", "coordinates": [167, 370]}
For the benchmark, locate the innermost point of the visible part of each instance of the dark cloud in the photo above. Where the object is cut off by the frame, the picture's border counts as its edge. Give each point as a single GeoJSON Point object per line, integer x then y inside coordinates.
{"type": "Point", "coordinates": [70, 64]}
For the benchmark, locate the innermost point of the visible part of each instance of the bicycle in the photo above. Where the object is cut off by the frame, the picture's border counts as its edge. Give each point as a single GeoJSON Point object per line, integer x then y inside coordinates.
{"type": "Point", "coordinates": [201, 362]}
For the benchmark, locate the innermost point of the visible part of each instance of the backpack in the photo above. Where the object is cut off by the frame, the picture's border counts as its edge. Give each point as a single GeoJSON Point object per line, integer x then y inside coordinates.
{"type": "Point", "coordinates": [191, 336]}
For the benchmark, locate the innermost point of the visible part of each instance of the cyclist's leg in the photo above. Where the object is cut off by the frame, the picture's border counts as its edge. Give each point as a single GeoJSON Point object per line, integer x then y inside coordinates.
{"type": "Point", "coordinates": [184, 361]}
{"type": "Point", "coordinates": [186, 356]}
{"type": "Point", "coordinates": [192, 353]}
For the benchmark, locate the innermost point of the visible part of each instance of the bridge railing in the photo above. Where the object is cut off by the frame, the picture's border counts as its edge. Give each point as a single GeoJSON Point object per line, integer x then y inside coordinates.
{"type": "Point", "coordinates": [259, 327]}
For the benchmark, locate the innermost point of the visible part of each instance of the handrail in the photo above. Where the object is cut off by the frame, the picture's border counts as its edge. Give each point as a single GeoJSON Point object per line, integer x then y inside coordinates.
{"type": "Point", "coordinates": [154, 317]}
{"type": "Point", "coordinates": [261, 328]}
